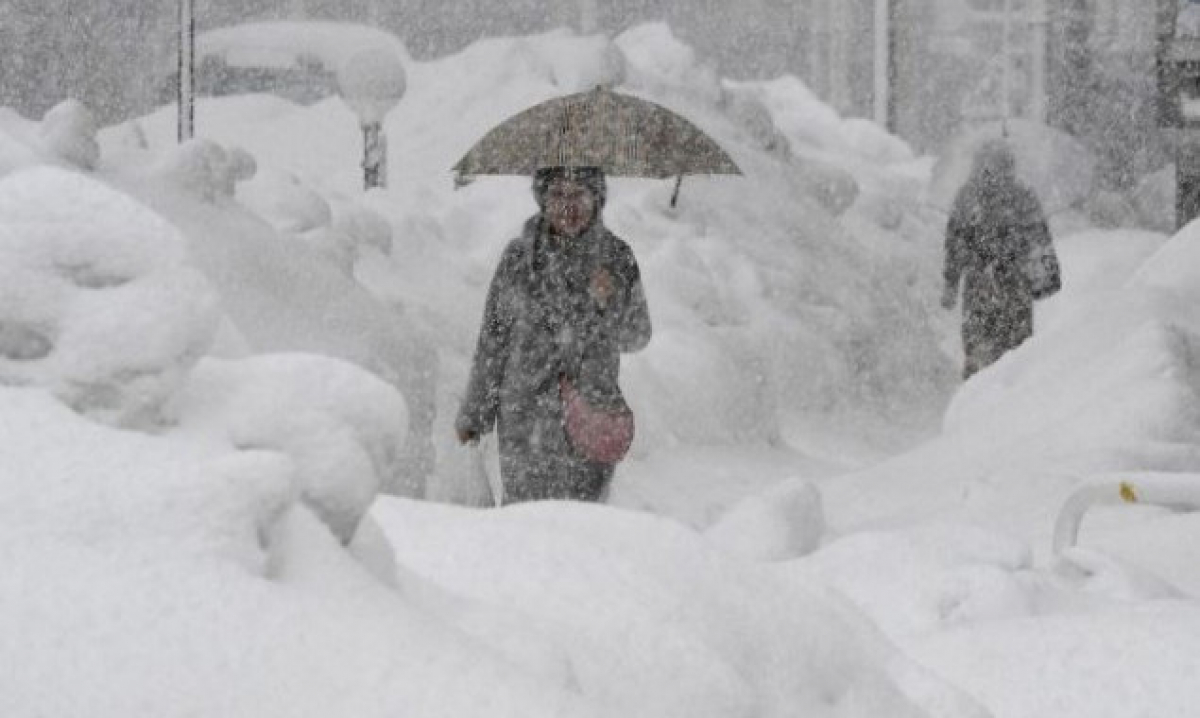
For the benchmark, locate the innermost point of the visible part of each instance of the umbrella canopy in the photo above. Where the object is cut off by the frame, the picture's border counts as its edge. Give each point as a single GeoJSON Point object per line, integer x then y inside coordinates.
{"type": "Point", "coordinates": [624, 136]}
{"type": "Point", "coordinates": [1057, 167]}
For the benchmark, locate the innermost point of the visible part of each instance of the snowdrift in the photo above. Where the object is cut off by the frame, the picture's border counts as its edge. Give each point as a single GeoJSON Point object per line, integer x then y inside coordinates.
{"type": "Point", "coordinates": [1104, 394]}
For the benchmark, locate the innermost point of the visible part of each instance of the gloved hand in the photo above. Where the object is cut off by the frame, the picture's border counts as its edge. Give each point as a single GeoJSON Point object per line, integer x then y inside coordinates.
{"type": "Point", "coordinates": [601, 288]}
{"type": "Point", "coordinates": [466, 436]}
{"type": "Point", "coordinates": [949, 296]}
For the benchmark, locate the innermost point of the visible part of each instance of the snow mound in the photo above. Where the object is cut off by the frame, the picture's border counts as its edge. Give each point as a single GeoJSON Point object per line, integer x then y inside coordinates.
{"type": "Point", "coordinates": [281, 294]}
{"type": "Point", "coordinates": [341, 427]}
{"type": "Point", "coordinates": [149, 576]}
{"type": "Point", "coordinates": [1172, 269]}
{"type": "Point", "coordinates": [659, 63]}
{"type": "Point", "coordinates": [1140, 661]}
{"type": "Point", "coordinates": [967, 575]}
{"type": "Point", "coordinates": [15, 151]}
{"type": "Point", "coordinates": [97, 302]}
{"type": "Point", "coordinates": [653, 618]}
{"type": "Point", "coordinates": [68, 132]}
{"type": "Point", "coordinates": [338, 227]}
{"type": "Point", "coordinates": [365, 228]}
{"type": "Point", "coordinates": [570, 62]}
{"type": "Point", "coordinates": [782, 523]}
{"type": "Point", "coordinates": [812, 126]}
{"type": "Point", "coordinates": [285, 201]}
{"type": "Point", "coordinates": [207, 169]}
{"type": "Point", "coordinates": [300, 213]}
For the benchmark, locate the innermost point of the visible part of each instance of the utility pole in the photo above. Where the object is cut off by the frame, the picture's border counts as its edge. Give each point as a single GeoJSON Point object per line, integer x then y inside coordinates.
{"type": "Point", "coordinates": [187, 71]}
{"type": "Point", "coordinates": [1039, 21]}
{"type": "Point", "coordinates": [1006, 58]}
{"type": "Point", "coordinates": [818, 53]}
{"type": "Point", "coordinates": [885, 64]}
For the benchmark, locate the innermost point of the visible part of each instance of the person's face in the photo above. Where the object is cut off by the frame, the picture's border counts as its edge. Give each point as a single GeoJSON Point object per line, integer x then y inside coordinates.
{"type": "Point", "coordinates": [570, 207]}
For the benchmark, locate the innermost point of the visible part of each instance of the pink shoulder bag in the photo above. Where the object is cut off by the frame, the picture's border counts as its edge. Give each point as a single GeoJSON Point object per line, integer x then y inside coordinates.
{"type": "Point", "coordinates": [602, 436]}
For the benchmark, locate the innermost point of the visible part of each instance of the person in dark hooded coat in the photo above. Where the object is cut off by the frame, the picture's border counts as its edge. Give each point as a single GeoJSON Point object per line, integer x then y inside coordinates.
{"type": "Point", "coordinates": [566, 300]}
{"type": "Point", "coordinates": [996, 229]}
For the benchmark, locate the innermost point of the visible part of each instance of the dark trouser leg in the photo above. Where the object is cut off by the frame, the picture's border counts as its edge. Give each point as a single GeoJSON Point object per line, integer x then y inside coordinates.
{"type": "Point", "coordinates": [541, 477]}
{"type": "Point", "coordinates": [987, 335]}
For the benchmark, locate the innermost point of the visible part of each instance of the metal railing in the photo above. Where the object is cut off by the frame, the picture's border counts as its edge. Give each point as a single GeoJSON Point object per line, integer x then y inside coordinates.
{"type": "Point", "coordinates": [1180, 492]}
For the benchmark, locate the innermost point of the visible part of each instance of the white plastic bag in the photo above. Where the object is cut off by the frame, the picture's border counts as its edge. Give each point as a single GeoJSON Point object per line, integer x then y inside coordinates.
{"type": "Point", "coordinates": [465, 475]}
{"type": "Point", "coordinates": [487, 456]}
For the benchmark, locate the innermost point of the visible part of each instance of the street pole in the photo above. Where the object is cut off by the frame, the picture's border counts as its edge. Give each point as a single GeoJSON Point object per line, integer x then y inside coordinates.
{"type": "Point", "coordinates": [186, 71]}
{"type": "Point", "coordinates": [883, 62]}
{"type": "Point", "coordinates": [1038, 57]}
{"type": "Point", "coordinates": [1006, 53]}
{"type": "Point", "coordinates": [374, 156]}
{"type": "Point", "coordinates": [818, 54]}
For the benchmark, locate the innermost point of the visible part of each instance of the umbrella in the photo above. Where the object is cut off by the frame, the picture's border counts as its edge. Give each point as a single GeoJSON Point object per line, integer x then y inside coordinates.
{"type": "Point", "coordinates": [1057, 167]}
{"type": "Point", "coordinates": [622, 135]}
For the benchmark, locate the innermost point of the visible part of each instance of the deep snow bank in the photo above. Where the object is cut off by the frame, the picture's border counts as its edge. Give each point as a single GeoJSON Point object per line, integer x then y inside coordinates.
{"type": "Point", "coordinates": [1106, 392]}
{"type": "Point", "coordinates": [150, 576]}
{"type": "Point", "coordinates": [655, 622]}
{"type": "Point", "coordinates": [97, 303]}
{"type": "Point", "coordinates": [283, 290]}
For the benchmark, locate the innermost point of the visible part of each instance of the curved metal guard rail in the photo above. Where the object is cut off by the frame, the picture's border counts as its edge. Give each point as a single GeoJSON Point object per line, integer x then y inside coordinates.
{"type": "Point", "coordinates": [1173, 492]}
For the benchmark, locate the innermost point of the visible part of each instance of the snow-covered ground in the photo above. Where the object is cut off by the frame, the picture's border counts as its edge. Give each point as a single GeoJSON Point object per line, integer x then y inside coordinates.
{"type": "Point", "coordinates": [226, 373]}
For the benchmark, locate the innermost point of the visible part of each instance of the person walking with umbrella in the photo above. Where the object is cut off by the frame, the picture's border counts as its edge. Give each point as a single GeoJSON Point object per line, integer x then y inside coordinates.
{"type": "Point", "coordinates": [566, 300]}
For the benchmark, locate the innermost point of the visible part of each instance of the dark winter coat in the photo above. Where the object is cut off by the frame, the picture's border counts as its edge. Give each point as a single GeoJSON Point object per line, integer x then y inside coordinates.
{"type": "Point", "coordinates": [540, 322]}
{"type": "Point", "coordinates": [994, 227]}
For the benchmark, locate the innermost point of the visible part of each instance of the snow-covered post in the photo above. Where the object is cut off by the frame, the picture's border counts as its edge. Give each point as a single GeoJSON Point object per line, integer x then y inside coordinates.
{"type": "Point", "coordinates": [372, 83]}
{"type": "Point", "coordinates": [186, 71]}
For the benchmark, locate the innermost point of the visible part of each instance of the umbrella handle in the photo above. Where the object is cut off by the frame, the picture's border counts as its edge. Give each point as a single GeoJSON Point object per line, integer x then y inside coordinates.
{"type": "Point", "coordinates": [675, 195]}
